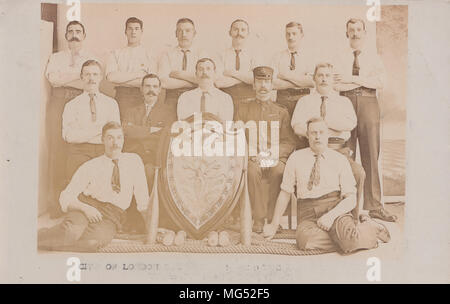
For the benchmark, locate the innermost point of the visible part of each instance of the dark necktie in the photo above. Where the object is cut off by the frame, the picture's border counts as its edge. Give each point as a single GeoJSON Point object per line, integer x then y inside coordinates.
{"type": "Point", "coordinates": [92, 106]}
{"type": "Point", "coordinates": [148, 110]}
{"type": "Point", "coordinates": [292, 66]}
{"type": "Point", "coordinates": [115, 178]}
{"type": "Point", "coordinates": [323, 106]}
{"type": "Point", "coordinates": [314, 178]}
{"type": "Point", "coordinates": [238, 60]}
{"type": "Point", "coordinates": [203, 102]}
{"type": "Point", "coordinates": [184, 66]}
{"type": "Point", "coordinates": [355, 70]}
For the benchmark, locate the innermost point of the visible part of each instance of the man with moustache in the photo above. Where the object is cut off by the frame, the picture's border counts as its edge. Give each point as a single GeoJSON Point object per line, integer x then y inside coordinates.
{"type": "Point", "coordinates": [338, 113]}
{"type": "Point", "coordinates": [63, 73]}
{"type": "Point", "coordinates": [127, 66]}
{"type": "Point", "coordinates": [97, 196]}
{"type": "Point", "coordinates": [205, 98]}
{"type": "Point", "coordinates": [177, 66]}
{"type": "Point", "coordinates": [84, 116]}
{"type": "Point", "coordinates": [237, 64]}
{"type": "Point", "coordinates": [262, 177]}
{"type": "Point", "coordinates": [145, 124]}
{"type": "Point", "coordinates": [326, 194]}
{"type": "Point", "coordinates": [361, 74]}
{"type": "Point", "coordinates": [292, 69]}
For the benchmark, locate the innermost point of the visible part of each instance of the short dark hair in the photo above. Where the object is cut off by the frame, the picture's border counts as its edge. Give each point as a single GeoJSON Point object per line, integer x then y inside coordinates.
{"type": "Point", "coordinates": [91, 62]}
{"type": "Point", "coordinates": [75, 22]}
{"type": "Point", "coordinates": [239, 20]}
{"type": "Point", "coordinates": [150, 76]}
{"type": "Point", "coordinates": [353, 21]}
{"type": "Point", "coordinates": [295, 24]}
{"type": "Point", "coordinates": [314, 120]}
{"type": "Point", "coordinates": [134, 20]}
{"type": "Point", "coordinates": [322, 65]}
{"type": "Point", "coordinates": [185, 20]}
{"type": "Point", "coordinates": [205, 60]}
{"type": "Point", "coordinates": [111, 125]}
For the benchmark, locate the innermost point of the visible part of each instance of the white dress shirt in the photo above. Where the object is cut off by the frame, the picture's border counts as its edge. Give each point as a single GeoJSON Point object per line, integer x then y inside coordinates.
{"type": "Point", "coordinates": [335, 174]}
{"type": "Point", "coordinates": [281, 63]}
{"type": "Point", "coordinates": [248, 60]}
{"type": "Point", "coordinates": [172, 60]}
{"type": "Point", "coordinates": [131, 59]}
{"type": "Point", "coordinates": [340, 115]}
{"type": "Point", "coordinates": [78, 126]}
{"type": "Point", "coordinates": [217, 102]}
{"type": "Point", "coordinates": [64, 63]}
{"type": "Point", "coordinates": [369, 62]}
{"type": "Point", "coordinates": [93, 178]}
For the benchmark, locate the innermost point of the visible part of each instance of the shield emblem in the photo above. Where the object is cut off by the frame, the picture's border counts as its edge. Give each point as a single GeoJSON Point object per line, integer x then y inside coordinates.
{"type": "Point", "coordinates": [199, 191]}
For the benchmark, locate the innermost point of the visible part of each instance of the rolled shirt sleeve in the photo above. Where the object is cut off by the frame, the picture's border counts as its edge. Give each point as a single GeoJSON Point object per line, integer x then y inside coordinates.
{"type": "Point", "coordinates": [346, 179]}
{"type": "Point", "coordinates": [289, 177]}
{"type": "Point", "coordinates": [77, 184]}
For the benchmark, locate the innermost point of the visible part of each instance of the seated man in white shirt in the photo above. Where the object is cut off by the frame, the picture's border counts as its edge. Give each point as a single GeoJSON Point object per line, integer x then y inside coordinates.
{"type": "Point", "coordinates": [97, 196]}
{"type": "Point", "coordinates": [338, 113]}
{"type": "Point", "coordinates": [205, 98]}
{"type": "Point", "coordinates": [83, 119]}
{"type": "Point", "coordinates": [326, 193]}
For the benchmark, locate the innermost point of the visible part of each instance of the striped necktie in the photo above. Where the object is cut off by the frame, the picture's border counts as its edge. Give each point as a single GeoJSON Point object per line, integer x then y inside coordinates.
{"type": "Point", "coordinates": [115, 178]}
{"type": "Point", "coordinates": [92, 106]}
{"type": "Point", "coordinates": [292, 65]}
{"type": "Point", "coordinates": [356, 67]}
{"type": "Point", "coordinates": [314, 178]}
{"type": "Point", "coordinates": [323, 106]}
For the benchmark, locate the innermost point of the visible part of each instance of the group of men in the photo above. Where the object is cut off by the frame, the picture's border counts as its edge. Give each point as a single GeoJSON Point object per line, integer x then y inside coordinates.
{"type": "Point", "coordinates": [322, 115]}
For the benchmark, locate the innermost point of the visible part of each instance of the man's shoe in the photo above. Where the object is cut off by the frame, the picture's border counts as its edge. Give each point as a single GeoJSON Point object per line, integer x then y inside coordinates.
{"type": "Point", "coordinates": [224, 239]}
{"type": "Point", "coordinates": [166, 237]}
{"type": "Point", "coordinates": [383, 215]}
{"type": "Point", "coordinates": [180, 238]}
{"type": "Point", "coordinates": [382, 232]}
{"type": "Point", "coordinates": [213, 239]}
{"type": "Point", "coordinates": [258, 226]}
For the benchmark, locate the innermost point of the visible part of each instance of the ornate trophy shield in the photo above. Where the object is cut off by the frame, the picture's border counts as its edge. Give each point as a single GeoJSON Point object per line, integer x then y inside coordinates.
{"type": "Point", "coordinates": [200, 191]}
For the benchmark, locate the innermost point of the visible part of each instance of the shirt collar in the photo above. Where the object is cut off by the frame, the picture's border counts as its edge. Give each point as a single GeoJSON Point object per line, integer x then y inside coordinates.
{"type": "Point", "coordinates": [333, 93]}
{"type": "Point", "coordinates": [211, 91]}
{"type": "Point", "coordinates": [178, 48]}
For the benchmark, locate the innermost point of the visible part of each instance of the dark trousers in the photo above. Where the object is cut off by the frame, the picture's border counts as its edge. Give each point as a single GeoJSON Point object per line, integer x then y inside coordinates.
{"type": "Point", "coordinates": [79, 154]}
{"type": "Point", "coordinates": [240, 93]}
{"type": "Point", "coordinates": [264, 188]}
{"type": "Point", "coordinates": [76, 233]}
{"type": "Point", "coordinates": [57, 151]}
{"type": "Point", "coordinates": [367, 133]}
{"type": "Point", "coordinates": [127, 98]}
{"type": "Point", "coordinates": [346, 234]}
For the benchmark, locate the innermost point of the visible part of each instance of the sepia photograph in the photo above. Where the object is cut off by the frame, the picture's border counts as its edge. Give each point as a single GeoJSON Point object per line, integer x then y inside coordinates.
{"type": "Point", "coordinates": [258, 142]}
{"type": "Point", "coordinates": [127, 94]}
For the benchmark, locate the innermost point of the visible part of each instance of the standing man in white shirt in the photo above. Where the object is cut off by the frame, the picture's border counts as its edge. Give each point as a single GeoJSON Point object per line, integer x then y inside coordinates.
{"type": "Point", "coordinates": [63, 73]}
{"type": "Point", "coordinates": [127, 66]}
{"type": "Point", "coordinates": [176, 68]}
{"type": "Point", "coordinates": [361, 74]}
{"type": "Point", "coordinates": [97, 196]}
{"type": "Point", "coordinates": [338, 113]}
{"type": "Point", "coordinates": [84, 117]}
{"type": "Point", "coordinates": [326, 195]}
{"type": "Point", "coordinates": [205, 98]}
{"type": "Point", "coordinates": [292, 69]}
{"type": "Point", "coordinates": [236, 67]}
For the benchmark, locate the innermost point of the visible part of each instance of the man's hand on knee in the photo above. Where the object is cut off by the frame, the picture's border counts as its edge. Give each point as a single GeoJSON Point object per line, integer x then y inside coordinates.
{"type": "Point", "coordinates": [93, 215]}
{"type": "Point", "coordinates": [325, 222]}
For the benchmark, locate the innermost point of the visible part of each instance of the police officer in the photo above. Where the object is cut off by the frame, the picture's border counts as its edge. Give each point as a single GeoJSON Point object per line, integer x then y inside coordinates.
{"type": "Point", "coordinates": [265, 170]}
